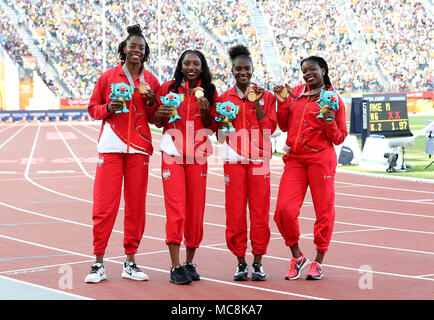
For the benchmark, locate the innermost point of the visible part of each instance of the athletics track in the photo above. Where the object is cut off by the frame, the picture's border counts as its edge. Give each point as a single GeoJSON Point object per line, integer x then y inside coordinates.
{"type": "Point", "coordinates": [382, 247]}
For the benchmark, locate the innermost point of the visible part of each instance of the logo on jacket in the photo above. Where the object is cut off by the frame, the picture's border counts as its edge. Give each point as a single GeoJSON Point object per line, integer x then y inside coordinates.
{"type": "Point", "coordinates": [226, 179]}
{"type": "Point", "coordinates": [166, 174]}
{"type": "Point", "coordinates": [100, 161]}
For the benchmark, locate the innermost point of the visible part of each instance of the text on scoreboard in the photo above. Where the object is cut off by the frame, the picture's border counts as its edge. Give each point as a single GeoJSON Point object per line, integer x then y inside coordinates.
{"type": "Point", "coordinates": [387, 114]}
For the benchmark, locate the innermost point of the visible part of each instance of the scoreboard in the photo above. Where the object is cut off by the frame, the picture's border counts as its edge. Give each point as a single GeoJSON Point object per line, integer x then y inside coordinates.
{"type": "Point", "coordinates": [387, 114]}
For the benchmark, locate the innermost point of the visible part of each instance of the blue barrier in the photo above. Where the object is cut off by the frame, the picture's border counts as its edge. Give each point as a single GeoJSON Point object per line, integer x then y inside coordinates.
{"type": "Point", "coordinates": [62, 114]}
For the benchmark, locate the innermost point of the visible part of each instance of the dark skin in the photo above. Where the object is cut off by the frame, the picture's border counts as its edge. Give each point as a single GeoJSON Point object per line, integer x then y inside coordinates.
{"type": "Point", "coordinates": [242, 70]}
{"type": "Point", "coordinates": [191, 69]}
{"type": "Point", "coordinates": [135, 52]}
{"type": "Point", "coordinates": [313, 75]}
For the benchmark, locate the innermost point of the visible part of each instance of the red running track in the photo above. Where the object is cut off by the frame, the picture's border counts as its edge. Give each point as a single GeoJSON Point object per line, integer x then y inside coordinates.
{"type": "Point", "coordinates": [382, 246]}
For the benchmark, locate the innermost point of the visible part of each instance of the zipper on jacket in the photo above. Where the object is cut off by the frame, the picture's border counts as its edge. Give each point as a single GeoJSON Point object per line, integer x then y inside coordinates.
{"type": "Point", "coordinates": [187, 93]}
{"type": "Point", "coordinates": [299, 127]}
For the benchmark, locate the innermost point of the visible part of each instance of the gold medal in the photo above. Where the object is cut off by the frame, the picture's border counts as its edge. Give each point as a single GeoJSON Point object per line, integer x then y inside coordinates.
{"type": "Point", "coordinates": [143, 87]}
{"type": "Point", "coordinates": [251, 95]}
{"type": "Point", "coordinates": [198, 92]}
{"type": "Point", "coordinates": [284, 93]}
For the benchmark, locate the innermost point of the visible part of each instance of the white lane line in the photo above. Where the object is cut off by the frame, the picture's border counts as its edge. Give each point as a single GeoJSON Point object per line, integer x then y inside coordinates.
{"type": "Point", "coordinates": [167, 271]}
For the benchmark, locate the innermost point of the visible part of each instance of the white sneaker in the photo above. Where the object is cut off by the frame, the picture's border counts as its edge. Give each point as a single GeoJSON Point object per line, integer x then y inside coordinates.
{"type": "Point", "coordinates": [258, 273]}
{"type": "Point", "coordinates": [97, 273]}
{"type": "Point", "coordinates": [131, 271]}
{"type": "Point", "coordinates": [242, 272]}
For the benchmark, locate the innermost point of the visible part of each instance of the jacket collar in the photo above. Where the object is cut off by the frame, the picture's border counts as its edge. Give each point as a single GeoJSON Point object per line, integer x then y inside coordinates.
{"type": "Point", "coordinates": [234, 91]}
{"type": "Point", "coordinates": [121, 71]}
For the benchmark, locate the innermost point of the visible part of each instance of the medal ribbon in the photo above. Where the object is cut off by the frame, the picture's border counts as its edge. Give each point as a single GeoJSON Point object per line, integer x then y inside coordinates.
{"type": "Point", "coordinates": [131, 81]}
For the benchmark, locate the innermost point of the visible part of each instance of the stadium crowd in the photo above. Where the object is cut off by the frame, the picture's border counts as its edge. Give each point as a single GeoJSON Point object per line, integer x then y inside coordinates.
{"type": "Point", "coordinates": [316, 31]}
{"type": "Point", "coordinates": [401, 34]}
{"type": "Point", "coordinates": [17, 50]}
{"type": "Point", "coordinates": [398, 32]}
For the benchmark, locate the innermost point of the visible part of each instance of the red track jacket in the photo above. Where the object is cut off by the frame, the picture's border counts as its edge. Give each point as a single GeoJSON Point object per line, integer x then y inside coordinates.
{"type": "Point", "coordinates": [307, 133]}
{"type": "Point", "coordinates": [255, 143]}
{"type": "Point", "coordinates": [140, 135]}
{"type": "Point", "coordinates": [191, 143]}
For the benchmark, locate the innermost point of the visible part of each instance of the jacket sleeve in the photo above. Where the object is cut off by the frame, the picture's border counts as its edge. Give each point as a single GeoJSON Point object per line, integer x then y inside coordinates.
{"type": "Point", "coordinates": [270, 120]}
{"type": "Point", "coordinates": [98, 102]}
{"type": "Point", "coordinates": [337, 130]}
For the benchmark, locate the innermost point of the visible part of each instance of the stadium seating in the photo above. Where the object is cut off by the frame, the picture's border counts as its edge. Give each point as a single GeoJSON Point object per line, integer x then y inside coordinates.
{"type": "Point", "coordinates": [399, 33]}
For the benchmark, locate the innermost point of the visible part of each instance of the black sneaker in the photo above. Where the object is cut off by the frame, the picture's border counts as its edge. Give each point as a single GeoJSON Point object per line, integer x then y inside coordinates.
{"type": "Point", "coordinates": [179, 275]}
{"type": "Point", "coordinates": [258, 273]}
{"type": "Point", "coordinates": [242, 272]}
{"type": "Point", "coordinates": [191, 271]}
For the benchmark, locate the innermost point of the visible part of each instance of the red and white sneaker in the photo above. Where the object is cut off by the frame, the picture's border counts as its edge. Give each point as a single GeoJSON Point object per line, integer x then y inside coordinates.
{"type": "Point", "coordinates": [315, 271]}
{"type": "Point", "coordinates": [295, 267]}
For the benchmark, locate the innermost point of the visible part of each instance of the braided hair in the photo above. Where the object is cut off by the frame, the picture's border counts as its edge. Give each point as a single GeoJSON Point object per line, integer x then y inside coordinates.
{"type": "Point", "coordinates": [133, 31]}
{"type": "Point", "coordinates": [322, 64]}
{"type": "Point", "coordinates": [205, 76]}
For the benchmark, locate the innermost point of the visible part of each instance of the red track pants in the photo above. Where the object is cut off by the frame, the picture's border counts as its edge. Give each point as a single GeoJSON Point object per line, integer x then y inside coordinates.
{"type": "Point", "coordinates": [247, 183]}
{"type": "Point", "coordinates": [316, 170]}
{"type": "Point", "coordinates": [184, 198]}
{"type": "Point", "coordinates": [111, 168]}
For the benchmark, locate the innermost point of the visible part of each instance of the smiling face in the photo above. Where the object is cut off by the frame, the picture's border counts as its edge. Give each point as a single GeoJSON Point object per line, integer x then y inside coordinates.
{"type": "Point", "coordinates": [191, 67]}
{"type": "Point", "coordinates": [135, 50]}
{"type": "Point", "coordinates": [242, 69]}
{"type": "Point", "coordinates": [313, 74]}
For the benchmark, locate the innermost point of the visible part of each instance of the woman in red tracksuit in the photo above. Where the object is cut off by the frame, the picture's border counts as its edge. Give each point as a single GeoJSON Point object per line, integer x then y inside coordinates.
{"type": "Point", "coordinates": [185, 147]}
{"type": "Point", "coordinates": [310, 160]}
{"type": "Point", "coordinates": [246, 154]}
{"type": "Point", "coordinates": [124, 147]}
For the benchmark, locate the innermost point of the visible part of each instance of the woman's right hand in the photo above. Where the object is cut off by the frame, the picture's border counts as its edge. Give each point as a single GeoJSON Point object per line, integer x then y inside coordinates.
{"type": "Point", "coordinates": [115, 105]}
{"type": "Point", "coordinates": [162, 112]}
{"type": "Point", "coordinates": [225, 122]}
{"type": "Point", "coordinates": [278, 92]}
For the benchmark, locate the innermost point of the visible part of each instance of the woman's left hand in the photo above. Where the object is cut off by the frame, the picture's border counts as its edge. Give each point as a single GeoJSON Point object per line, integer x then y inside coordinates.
{"type": "Point", "coordinates": [259, 93]}
{"type": "Point", "coordinates": [203, 104]}
{"type": "Point", "coordinates": [151, 97]}
{"type": "Point", "coordinates": [329, 116]}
